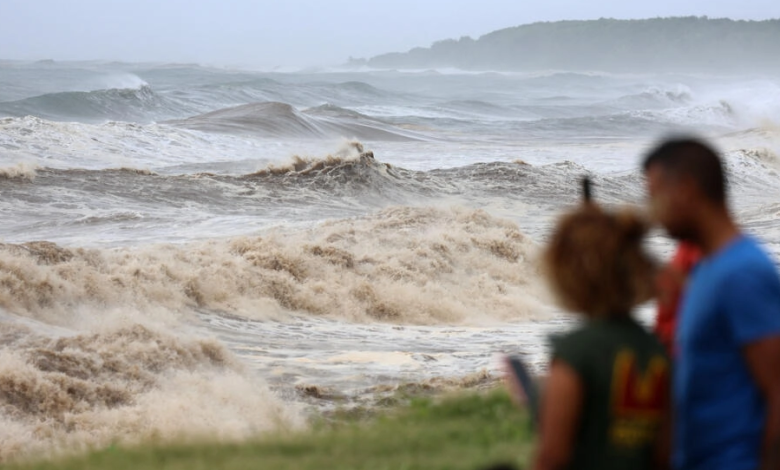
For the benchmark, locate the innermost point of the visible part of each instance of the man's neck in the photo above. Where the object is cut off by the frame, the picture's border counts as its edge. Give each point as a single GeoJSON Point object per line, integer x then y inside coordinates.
{"type": "Point", "coordinates": [716, 230]}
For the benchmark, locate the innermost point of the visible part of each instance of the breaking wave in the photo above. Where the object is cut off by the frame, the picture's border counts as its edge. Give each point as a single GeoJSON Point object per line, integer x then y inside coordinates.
{"type": "Point", "coordinates": [716, 117]}
{"type": "Point", "coordinates": [22, 171]}
{"type": "Point", "coordinates": [281, 120]}
{"type": "Point", "coordinates": [653, 98]}
{"type": "Point", "coordinates": [125, 384]}
{"type": "Point", "coordinates": [140, 104]}
{"type": "Point", "coordinates": [404, 264]}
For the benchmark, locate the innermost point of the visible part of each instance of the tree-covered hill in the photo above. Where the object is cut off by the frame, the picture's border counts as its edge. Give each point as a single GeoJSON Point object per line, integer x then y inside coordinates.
{"type": "Point", "coordinates": [691, 44]}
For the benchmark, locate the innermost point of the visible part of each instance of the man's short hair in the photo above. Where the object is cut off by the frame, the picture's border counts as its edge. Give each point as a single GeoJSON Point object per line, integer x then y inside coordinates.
{"type": "Point", "coordinates": [691, 158]}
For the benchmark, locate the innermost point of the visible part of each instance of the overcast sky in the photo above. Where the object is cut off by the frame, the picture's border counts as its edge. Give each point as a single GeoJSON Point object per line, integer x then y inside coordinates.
{"type": "Point", "coordinates": [267, 33]}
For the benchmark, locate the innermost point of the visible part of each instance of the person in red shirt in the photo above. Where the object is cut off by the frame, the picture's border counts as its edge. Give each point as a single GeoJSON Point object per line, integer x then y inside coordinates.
{"type": "Point", "coordinates": [671, 284]}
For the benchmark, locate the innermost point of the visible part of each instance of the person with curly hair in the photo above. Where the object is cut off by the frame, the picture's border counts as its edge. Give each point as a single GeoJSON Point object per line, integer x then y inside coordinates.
{"type": "Point", "coordinates": [605, 400]}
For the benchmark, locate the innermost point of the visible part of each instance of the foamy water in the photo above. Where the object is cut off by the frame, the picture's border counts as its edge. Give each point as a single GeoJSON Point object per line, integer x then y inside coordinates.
{"type": "Point", "coordinates": [126, 384]}
{"type": "Point", "coordinates": [191, 253]}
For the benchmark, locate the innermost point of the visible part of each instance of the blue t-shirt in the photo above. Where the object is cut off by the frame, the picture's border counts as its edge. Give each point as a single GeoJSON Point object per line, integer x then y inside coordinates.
{"type": "Point", "coordinates": [733, 299]}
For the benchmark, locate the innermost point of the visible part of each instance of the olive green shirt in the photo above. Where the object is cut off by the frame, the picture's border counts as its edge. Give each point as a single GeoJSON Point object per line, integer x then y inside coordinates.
{"type": "Point", "coordinates": [625, 375]}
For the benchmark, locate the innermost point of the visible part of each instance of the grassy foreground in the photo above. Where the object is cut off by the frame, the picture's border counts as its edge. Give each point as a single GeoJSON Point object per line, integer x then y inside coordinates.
{"type": "Point", "coordinates": [469, 431]}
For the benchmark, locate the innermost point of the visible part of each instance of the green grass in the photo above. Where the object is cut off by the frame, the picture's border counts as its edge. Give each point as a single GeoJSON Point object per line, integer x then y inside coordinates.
{"type": "Point", "coordinates": [467, 431]}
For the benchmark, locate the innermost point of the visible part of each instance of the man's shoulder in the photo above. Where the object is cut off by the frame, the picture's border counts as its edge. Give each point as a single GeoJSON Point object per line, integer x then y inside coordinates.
{"type": "Point", "coordinates": [750, 248]}
{"type": "Point", "coordinates": [743, 275]}
{"type": "Point", "coordinates": [748, 259]}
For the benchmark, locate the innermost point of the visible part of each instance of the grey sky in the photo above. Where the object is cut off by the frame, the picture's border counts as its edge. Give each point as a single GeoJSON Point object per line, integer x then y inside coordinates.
{"type": "Point", "coordinates": [295, 32]}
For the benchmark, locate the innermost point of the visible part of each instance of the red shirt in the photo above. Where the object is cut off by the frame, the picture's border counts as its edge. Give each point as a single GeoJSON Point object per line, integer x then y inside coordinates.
{"type": "Point", "coordinates": [671, 283]}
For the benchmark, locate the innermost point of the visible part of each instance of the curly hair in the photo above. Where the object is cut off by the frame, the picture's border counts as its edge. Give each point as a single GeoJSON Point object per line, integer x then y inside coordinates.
{"type": "Point", "coordinates": [595, 262]}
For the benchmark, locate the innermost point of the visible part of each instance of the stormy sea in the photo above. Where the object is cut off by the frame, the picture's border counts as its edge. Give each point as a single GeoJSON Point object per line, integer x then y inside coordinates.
{"type": "Point", "coordinates": [199, 252]}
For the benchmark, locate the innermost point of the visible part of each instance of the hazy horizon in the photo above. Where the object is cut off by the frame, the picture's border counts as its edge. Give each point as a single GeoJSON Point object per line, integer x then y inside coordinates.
{"type": "Point", "coordinates": [297, 33]}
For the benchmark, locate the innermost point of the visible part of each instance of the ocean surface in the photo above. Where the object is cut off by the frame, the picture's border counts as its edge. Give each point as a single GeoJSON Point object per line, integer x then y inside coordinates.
{"type": "Point", "coordinates": [192, 252]}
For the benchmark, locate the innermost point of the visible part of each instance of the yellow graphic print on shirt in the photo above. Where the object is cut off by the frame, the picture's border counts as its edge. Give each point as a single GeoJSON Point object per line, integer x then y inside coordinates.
{"type": "Point", "coordinates": [639, 398]}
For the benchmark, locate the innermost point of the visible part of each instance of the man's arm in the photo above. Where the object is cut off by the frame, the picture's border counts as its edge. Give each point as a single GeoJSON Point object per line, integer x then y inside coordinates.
{"type": "Point", "coordinates": [763, 360]}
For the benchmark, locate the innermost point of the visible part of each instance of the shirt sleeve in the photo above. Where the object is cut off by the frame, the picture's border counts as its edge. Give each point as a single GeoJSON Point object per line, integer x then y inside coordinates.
{"type": "Point", "coordinates": [569, 350]}
{"type": "Point", "coordinates": [752, 305]}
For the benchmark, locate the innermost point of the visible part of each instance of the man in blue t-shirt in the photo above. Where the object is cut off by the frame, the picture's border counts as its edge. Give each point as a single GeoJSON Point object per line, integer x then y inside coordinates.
{"type": "Point", "coordinates": [726, 391]}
